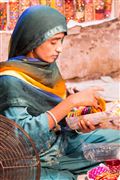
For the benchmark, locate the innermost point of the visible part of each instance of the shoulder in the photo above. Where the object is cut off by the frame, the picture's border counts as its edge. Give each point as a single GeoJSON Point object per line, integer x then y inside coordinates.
{"type": "Point", "coordinates": [8, 79]}
{"type": "Point", "coordinates": [10, 82]}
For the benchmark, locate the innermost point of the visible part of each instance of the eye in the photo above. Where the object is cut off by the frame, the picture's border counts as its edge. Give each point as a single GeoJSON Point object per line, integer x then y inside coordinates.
{"type": "Point", "coordinates": [53, 42]}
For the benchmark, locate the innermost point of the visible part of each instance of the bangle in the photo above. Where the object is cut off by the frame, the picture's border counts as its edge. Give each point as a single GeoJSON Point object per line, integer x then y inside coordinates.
{"type": "Point", "coordinates": [57, 126]}
{"type": "Point", "coordinates": [78, 132]}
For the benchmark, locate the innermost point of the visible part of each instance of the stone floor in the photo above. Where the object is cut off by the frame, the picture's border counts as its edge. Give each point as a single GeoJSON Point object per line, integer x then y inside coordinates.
{"type": "Point", "coordinates": [111, 87]}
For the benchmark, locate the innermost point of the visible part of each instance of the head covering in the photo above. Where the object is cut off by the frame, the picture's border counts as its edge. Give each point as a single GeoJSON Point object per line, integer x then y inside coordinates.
{"type": "Point", "coordinates": [35, 25]}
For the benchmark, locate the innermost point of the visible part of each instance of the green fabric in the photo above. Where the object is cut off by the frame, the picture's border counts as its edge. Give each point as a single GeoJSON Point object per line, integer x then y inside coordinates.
{"type": "Point", "coordinates": [41, 71]}
{"type": "Point", "coordinates": [61, 154]}
{"type": "Point", "coordinates": [73, 161]}
{"type": "Point", "coordinates": [15, 92]}
{"type": "Point", "coordinates": [36, 24]}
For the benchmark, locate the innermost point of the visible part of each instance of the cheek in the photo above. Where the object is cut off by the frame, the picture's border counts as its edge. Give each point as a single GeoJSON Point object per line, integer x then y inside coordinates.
{"type": "Point", "coordinates": [41, 51]}
{"type": "Point", "coordinates": [44, 49]}
{"type": "Point", "coordinates": [44, 53]}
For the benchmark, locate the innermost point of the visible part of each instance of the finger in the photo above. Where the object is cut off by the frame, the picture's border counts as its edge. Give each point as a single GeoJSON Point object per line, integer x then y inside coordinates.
{"type": "Point", "coordinates": [101, 125]}
{"type": "Point", "coordinates": [70, 90]}
{"type": "Point", "coordinates": [80, 127]}
{"type": "Point", "coordinates": [97, 95]}
{"type": "Point", "coordinates": [76, 90]}
{"type": "Point", "coordinates": [84, 126]}
{"type": "Point", "coordinates": [95, 103]}
{"type": "Point", "coordinates": [97, 88]}
{"type": "Point", "coordinates": [90, 125]}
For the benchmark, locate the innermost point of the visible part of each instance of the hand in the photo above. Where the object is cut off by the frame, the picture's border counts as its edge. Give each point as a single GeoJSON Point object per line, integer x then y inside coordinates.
{"type": "Point", "coordinates": [87, 97]}
{"type": "Point", "coordinates": [86, 126]}
{"type": "Point", "coordinates": [71, 90]}
{"type": "Point", "coordinates": [112, 124]}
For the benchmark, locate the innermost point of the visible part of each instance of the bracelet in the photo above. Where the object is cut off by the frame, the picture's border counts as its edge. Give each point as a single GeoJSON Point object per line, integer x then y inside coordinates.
{"type": "Point", "coordinates": [78, 132]}
{"type": "Point", "coordinates": [57, 126]}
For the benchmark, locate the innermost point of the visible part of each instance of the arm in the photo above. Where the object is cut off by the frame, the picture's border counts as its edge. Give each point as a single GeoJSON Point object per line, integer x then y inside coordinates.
{"type": "Point", "coordinates": [87, 97]}
{"type": "Point", "coordinates": [36, 127]}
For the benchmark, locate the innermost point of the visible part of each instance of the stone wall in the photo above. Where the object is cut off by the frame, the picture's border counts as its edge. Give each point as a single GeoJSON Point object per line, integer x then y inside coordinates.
{"type": "Point", "coordinates": [92, 51]}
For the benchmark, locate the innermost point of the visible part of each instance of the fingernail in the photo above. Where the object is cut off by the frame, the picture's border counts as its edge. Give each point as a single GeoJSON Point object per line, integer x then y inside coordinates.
{"type": "Point", "coordinates": [88, 122]}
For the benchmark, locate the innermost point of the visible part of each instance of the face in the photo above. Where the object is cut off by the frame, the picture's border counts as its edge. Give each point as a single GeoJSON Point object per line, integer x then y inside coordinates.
{"type": "Point", "coordinates": [50, 49]}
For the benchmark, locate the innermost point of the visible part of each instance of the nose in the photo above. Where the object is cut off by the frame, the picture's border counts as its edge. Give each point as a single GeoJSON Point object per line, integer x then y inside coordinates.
{"type": "Point", "coordinates": [59, 47]}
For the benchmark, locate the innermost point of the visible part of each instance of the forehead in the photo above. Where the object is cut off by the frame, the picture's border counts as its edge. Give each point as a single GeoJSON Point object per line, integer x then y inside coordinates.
{"type": "Point", "coordinates": [58, 36]}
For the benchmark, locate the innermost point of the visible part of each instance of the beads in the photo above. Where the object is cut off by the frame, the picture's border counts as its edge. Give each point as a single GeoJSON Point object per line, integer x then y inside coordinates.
{"type": "Point", "coordinates": [114, 165]}
{"type": "Point", "coordinates": [99, 9]}
{"type": "Point", "coordinates": [69, 9]}
{"type": "Point", "coordinates": [3, 16]}
{"type": "Point", "coordinates": [93, 173]}
{"type": "Point", "coordinates": [82, 110]}
{"type": "Point", "coordinates": [89, 10]}
{"type": "Point", "coordinates": [13, 13]}
{"type": "Point", "coordinates": [102, 172]}
{"type": "Point", "coordinates": [78, 10]}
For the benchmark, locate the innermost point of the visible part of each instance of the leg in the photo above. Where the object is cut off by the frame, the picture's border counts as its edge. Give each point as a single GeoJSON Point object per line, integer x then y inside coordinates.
{"type": "Point", "coordinates": [53, 174]}
{"type": "Point", "coordinates": [74, 160]}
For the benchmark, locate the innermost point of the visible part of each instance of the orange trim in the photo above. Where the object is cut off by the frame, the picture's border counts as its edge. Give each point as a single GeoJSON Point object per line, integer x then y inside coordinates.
{"type": "Point", "coordinates": [9, 68]}
{"type": "Point", "coordinates": [59, 89]}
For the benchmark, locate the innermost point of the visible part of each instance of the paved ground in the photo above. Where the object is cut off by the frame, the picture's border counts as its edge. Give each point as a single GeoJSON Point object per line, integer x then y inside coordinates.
{"type": "Point", "coordinates": [111, 87]}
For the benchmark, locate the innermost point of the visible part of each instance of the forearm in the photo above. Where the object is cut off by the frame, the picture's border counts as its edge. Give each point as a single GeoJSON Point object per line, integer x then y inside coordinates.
{"type": "Point", "coordinates": [60, 111]}
{"type": "Point", "coordinates": [88, 97]}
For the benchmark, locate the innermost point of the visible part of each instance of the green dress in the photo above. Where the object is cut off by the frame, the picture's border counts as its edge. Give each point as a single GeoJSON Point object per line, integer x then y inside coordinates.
{"type": "Point", "coordinates": [61, 153]}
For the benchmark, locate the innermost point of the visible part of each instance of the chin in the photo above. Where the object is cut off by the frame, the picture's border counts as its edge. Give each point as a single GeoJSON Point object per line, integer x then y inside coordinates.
{"type": "Point", "coordinates": [52, 60]}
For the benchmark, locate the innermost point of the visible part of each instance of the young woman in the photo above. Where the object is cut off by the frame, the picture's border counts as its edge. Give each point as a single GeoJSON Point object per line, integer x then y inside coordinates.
{"type": "Point", "coordinates": [33, 94]}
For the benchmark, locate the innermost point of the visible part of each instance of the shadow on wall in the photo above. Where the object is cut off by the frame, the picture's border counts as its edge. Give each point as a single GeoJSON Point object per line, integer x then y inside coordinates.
{"type": "Point", "coordinates": [91, 52]}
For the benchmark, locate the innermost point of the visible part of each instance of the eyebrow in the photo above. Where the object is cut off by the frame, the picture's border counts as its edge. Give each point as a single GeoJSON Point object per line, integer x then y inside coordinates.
{"type": "Point", "coordinates": [56, 38]}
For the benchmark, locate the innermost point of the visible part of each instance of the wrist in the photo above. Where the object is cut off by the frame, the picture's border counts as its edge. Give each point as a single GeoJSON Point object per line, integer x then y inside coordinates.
{"type": "Point", "coordinates": [56, 126]}
{"type": "Point", "coordinates": [70, 101]}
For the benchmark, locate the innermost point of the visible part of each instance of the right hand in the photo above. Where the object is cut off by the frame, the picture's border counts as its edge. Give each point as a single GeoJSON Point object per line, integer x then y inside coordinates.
{"type": "Point", "coordinates": [86, 126]}
{"type": "Point", "coordinates": [86, 97]}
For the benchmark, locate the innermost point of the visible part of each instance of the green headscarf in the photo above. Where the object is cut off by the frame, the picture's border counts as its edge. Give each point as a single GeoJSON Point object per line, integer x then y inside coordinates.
{"type": "Point", "coordinates": [36, 24]}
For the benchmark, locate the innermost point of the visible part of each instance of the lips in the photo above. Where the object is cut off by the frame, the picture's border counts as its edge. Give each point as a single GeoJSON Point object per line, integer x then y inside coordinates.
{"type": "Point", "coordinates": [55, 56]}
